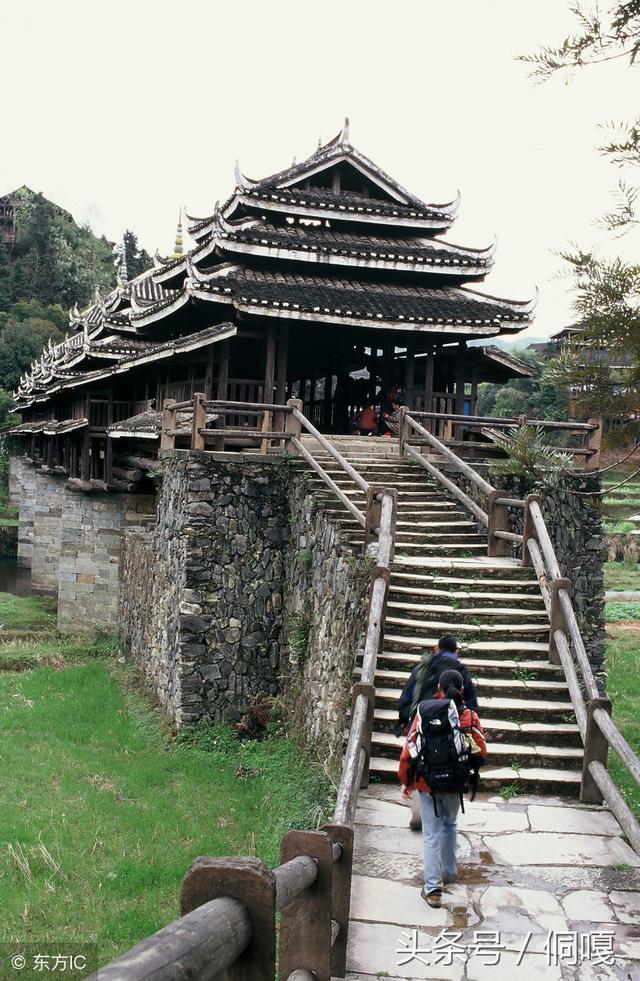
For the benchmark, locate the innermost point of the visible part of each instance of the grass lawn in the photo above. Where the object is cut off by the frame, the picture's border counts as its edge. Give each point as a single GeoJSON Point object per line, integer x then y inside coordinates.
{"type": "Point", "coordinates": [26, 613]}
{"type": "Point", "coordinates": [616, 611]}
{"type": "Point", "coordinates": [102, 811]}
{"type": "Point", "coordinates": [623, 664]}
{"type": "Point", "coordinates": [621, 575]}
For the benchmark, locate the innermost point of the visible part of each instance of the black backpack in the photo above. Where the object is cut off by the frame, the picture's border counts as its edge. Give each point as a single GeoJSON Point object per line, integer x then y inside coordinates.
{"type": "Point", "coordinates": [442, 752]}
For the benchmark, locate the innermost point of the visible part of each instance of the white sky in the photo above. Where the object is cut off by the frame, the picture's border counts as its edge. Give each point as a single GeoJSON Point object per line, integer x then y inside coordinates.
{"type": "Point", "coordinates": [121, 112]}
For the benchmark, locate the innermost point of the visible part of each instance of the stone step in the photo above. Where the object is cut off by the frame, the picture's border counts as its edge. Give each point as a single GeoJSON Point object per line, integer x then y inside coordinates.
{"type": "Point", "coordinates": [398, 642]}
{"type": "Point", "coordinates": [423, 577]}
{"type": "Point", "coordinates": [507, 687]}
{"type": "Point", "coordinates": [494, 663]}
{"type": "Point", "coordinates": [496, 729]}
{"type": "Point", "coordinates": [451, 625]}
{"type": "Point", "coordinates": [528, 780]}
{"type": "Point", "coordinates": [470, 611]}
{"type": "Point", "coordinates": [465, 595]}
{"type": "Point", "coordinates": [499, 753]}
{"type": "Point", "coordinates": [476, 566]}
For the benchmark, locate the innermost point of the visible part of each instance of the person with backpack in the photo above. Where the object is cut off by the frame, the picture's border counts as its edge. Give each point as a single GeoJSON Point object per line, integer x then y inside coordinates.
{"type": "Point", "coordinates": [443, 751]}
{"type": "Point", "coordinates": [423, 680]}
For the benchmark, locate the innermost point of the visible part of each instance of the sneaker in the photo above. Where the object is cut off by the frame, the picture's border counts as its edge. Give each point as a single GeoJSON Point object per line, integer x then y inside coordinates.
{"type": "Point", "coordinates": [433, 897]}
{"type": "Point", "coordinates": [415, 824]}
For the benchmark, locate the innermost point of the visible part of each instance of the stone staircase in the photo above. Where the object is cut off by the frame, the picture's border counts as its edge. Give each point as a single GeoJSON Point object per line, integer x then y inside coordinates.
{"type": "Point", "coordinates": [442, 581]}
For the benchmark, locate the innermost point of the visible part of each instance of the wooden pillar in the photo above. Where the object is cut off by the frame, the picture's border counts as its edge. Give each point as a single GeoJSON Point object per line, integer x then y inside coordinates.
{"type": "Point", "coordinates": [269, 376]}
{"type": "Point", "coordinates": [208, 373]}
{"type": "Point", "coordinates": [373, 370]}
{"type": "Point", "coordinates": [474, 389]}
{"type": "Point", "coordinates": [281, 374]}
{"type": "Point", "coordinates": [388, 354]}
{"type": "Point", "coordinates": [410, 372]}
{"type": "Point", "coordinates": [85, 464]}
{"type": "Point", "coordinates": [270, 361]}
{"type": "Point", "coordinates": [223, 372]}
{"type": "Point", "coordinates": [428, 385]}
{"type": "Point", "coordinates": [460, 377]}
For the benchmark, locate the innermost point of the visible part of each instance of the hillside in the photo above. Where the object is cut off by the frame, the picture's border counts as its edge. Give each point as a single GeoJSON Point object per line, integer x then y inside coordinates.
{"type": "Point", "coordinates": [48, 263]}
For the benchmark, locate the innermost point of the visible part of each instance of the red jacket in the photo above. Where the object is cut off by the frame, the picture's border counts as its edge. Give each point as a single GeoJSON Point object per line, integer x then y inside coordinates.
{"type": "Point", "coordinates": [468, 720]}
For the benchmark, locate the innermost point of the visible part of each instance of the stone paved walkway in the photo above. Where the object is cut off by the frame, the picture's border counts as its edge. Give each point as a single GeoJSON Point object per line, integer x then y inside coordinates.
{"type": "Point", "coordinates": [542, 868]}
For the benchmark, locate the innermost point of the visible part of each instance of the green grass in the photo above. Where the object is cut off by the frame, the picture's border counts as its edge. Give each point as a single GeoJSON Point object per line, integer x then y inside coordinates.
{"type": "Point", "coordinates": [102, 812]}
{"type": "Point", "coordinates": [623, 684]}
{"type": "Point", "coordinates": [616, 611]}
{"type": "Point", "coordinates": [621, 575]}
{"type": "Point", "coordinates": [32, 613]}
{"type": "Point", "coordinates": [619, 527]}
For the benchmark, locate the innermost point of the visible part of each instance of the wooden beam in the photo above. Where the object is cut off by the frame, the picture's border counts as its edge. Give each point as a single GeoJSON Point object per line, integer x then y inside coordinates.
{"type": "Point", "coordinates": [269, 376]}
{"type": "Point", "coordinates": [428, 381]}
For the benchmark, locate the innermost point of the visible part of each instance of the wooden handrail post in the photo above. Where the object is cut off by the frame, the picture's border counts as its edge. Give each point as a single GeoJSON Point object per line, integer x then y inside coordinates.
{"type": "Point", "coordinates": [498, 521]}
{"type": "Point", "coordinates": [528, 527]}
{"type": "Point", "coordinates": [341, 835]}
{"type": "Point", "coordinates": [594, 442]}
{"type": "Point", "coordinates": [265, 428]}
{"type": "Point", "coordinates": [254, 885]}
{"type": "Point", "coordinates": [198, 422]}
{"type": "Point", "coordinates": [305, 925]}
{"type": "Point", "coordinates": [596, 747]}
{"type": "Point", "coordinates": [556, 616]}
{"type": "Point", "coordinates": [373, 513]}
{"type": "Point", "coordinates": [403, 431]}
{"type": "Point", "coordinates": [360, 688]}
{"type": "Point", "coordinates": [167, 441]}
{"type": "Point", "coordinates": [293, 426]}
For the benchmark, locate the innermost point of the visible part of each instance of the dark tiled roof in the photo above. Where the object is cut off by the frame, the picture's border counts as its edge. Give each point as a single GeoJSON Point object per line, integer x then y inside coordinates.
{"type": "Point", "coordinates": [337, 241]}
{"type": "Point", "coordinates": [147, 421]}
{"type": "Point", "coordinates": [370, 301]}
{"type": "Point", "coordinates": [347, 201]}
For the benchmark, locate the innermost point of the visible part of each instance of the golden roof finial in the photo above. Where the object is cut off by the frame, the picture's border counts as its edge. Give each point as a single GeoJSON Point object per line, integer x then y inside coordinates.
{"type": "Point", "coordinates": [178, 249]}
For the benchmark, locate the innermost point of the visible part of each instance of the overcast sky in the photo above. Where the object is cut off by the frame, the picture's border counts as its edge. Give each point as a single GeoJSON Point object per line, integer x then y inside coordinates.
{"type": "Point", "coordinates": [121, 112]}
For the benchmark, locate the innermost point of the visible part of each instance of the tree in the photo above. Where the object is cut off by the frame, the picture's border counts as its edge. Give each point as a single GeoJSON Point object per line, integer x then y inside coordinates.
{"type": "Point", "coordinates": [137, 259]}
{"type": "Point", "coordinates": [602, 38]}
{"type": "Point", "coordinates": [6, 294]}
{"type": "Point", "coordinates": [21, 342]}
{"type": "Point", "coordinates": [602, 365]}
{"type": "Point", "coordinates": [607, 294]}
{"type": "Point", "coordinates": [534, 397]}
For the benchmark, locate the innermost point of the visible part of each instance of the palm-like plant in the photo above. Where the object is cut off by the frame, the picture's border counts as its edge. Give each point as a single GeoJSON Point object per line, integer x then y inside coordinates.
{"type": "Point", "coordinates": [527, 453]}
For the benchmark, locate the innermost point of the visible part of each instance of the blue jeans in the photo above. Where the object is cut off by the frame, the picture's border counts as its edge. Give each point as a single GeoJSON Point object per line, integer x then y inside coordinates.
{"type": "Point", "coordinates": [439, 836]}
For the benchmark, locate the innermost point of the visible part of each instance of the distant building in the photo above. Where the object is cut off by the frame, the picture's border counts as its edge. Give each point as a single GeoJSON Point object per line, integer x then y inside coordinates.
{"type": "Point", "coordinates": [9, 213]}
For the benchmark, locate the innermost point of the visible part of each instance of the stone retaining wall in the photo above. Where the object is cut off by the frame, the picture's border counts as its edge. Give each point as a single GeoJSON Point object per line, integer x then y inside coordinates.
{"type": "Point", "coordinates": [22, 492]}
{"type": "Point", "coordinates": [239, 565]}
{"type": "Point", "coordinates": [90, 541]}
{"type": "Point", "coordinates": [574, 520]}
{"type": "Point", "coordinates": [71, 542]}
{"type": "Point", "coordinates": [326, 594]}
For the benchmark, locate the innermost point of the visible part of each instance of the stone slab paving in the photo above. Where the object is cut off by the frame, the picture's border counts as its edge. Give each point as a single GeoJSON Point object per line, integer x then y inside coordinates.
{"type": "Point", "coordinates": [547, 888]}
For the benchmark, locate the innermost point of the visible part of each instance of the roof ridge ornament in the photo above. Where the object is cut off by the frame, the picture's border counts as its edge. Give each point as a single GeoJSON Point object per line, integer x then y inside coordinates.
{"type": "Point", "coordinates": [178, 248]}
{"type": "Point", "coordinates": [344, 132]}
{"type": "Point", "coordinates": [243, 183]}
{"type": "Point", "coordinates": [120, 262]}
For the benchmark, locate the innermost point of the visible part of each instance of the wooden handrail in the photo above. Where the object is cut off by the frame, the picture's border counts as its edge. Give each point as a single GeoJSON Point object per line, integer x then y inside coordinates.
{"type": "Point", "coordinates": [468, 471]}
{"type": "Point", "coordinates": [581, 427]}
{"type": "Point", "coordinates": [216, 933]}
{"type": "Point", "coordinates": [304, 453]}
{"type": "Point", "coordinates": [449, 484]}
{"type": "Point", "coordinates": [231, 408]}
{"type": "Point", "coordinates": [331, 450]}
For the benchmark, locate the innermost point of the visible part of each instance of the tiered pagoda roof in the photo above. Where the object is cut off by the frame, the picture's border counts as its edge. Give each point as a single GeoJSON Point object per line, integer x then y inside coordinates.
{"type": "Point", "coordinates": [332, 239]}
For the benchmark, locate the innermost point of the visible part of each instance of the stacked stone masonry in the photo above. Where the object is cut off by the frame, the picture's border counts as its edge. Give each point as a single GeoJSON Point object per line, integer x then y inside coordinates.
{"type": "Point", "coordinates": [72, 542]}
{"type": "Point", "coordinates": [241, 588]}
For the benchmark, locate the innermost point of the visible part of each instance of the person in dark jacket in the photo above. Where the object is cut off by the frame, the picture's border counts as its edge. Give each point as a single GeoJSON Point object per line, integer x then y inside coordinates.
{"type": "Point", "coordinates": [423, 683]}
